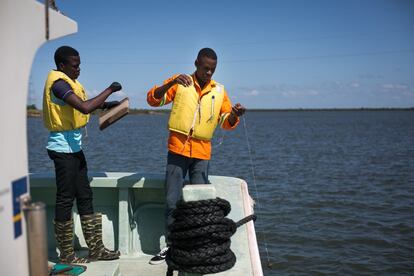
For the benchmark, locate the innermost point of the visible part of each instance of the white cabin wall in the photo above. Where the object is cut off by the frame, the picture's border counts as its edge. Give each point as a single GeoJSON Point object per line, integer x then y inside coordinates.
{"type": "Point", "coordinates": [22, 32]}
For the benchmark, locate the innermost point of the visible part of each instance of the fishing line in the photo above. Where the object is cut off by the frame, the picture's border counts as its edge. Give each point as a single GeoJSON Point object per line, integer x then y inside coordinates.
{"type": "Point", "coordinates": [220, 140]}
{"type": "Point", "coordinates": [269, 264]}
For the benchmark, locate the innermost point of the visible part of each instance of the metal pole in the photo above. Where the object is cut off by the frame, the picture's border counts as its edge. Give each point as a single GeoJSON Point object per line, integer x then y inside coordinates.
{"type": "Point", "coordinates": [47, 19]}
{"type": "Point", "coordinates": [35, 215]}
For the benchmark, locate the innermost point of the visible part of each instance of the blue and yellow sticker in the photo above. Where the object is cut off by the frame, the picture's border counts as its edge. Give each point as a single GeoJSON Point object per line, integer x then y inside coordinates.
{"type": "Point", "coordinates": [19, 187]}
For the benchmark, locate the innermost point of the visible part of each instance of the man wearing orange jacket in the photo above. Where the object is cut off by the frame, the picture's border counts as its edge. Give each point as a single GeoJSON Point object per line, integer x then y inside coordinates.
{"type": "Point", "coordinates": [200, 104]}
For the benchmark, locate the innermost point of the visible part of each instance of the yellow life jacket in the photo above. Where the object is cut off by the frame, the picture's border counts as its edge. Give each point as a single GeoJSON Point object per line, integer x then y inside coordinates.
{"type": "Point", "coordinates": [195, 116]}
{"type": "Point", "coordinates": [61, 116]}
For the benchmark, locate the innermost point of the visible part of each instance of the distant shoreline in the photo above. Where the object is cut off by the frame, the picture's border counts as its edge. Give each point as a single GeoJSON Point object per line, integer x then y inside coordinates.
{"type": "Point", "coordinates": [33, 113]}
{"type": "Point", "coordinates": [335, 109]}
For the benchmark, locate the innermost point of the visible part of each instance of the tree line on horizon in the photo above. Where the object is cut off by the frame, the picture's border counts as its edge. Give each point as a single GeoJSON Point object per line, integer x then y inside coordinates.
{"type": "Point", "coordinates": [32, 110]}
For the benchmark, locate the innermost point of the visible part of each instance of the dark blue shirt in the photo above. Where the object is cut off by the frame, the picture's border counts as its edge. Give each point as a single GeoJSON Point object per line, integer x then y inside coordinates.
{"type": "Point", "coordinates": [61, 89]}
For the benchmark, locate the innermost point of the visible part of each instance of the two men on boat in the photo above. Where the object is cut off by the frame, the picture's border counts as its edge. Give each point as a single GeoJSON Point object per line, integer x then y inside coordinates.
{"type": "Point", "coordinates": [200, 104]}
{"type": "Point", "coordinates": [66, 112]}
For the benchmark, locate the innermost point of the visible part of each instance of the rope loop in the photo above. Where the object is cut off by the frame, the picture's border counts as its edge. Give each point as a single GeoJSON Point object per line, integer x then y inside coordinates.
{"type": "Point", "coordinates": [200, 237]}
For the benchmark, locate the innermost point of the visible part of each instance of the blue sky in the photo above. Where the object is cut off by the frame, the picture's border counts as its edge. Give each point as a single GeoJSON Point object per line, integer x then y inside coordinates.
{"type": "Point", "coordinates": [271, 54]}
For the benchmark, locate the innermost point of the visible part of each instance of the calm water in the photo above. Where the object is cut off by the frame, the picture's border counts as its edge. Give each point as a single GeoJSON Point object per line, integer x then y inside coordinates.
{"type": "Point", "coordinates": [335, 189]}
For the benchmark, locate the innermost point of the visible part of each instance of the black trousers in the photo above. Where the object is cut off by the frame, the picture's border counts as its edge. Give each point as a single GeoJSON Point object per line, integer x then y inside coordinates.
{"type": "Point", "coordinates": [71, 183]}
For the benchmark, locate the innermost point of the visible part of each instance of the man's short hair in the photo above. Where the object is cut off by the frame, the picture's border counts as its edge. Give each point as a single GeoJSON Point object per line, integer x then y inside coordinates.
{"type": "Point", "coordinates": [207, 52]}
{"type": "Point", "coordinates": [62, 53]}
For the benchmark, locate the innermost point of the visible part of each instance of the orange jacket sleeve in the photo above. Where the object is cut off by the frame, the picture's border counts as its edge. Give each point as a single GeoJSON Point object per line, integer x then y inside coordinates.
{"type": "Point", "coordinates": [168, 96]}
{"type": "Point", "coordinates": [225, 113]}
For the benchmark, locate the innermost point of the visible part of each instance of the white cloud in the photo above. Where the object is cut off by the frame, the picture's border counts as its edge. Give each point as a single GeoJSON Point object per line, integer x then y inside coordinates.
{"type": "Point", "coordinates": [252, 93]}
{"type": "Point", "coordinates": [313, 92]}
{"type": "Point", "coordinates": [390, 86]}
{"type": "Point", "coordinates": [298, 93]}
{"type": "Point", "coordinates": [290, 93]}
{"type": "Point", "coordinates": [401, 86]}
{"type": "Point", "coordinates": [398, 91]}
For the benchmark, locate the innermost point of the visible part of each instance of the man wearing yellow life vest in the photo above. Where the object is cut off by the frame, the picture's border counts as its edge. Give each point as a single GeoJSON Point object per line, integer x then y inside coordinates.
{"type": "Point", "coordinates": [200, 104]}
{"type": "Point", "coordinates": [66, 111]}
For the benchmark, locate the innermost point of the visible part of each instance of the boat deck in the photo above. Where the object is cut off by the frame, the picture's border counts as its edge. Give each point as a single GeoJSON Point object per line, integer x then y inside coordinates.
{"type": "Point", "coordinates": [133, 221]}
{"type": "Point", "coordinates": [139, 266]}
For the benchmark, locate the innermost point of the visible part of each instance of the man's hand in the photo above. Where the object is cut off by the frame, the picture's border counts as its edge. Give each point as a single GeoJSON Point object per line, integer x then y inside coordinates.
{"type": "Point", "coordinates": [183, 79]}
{"type": "Point", "coordinates": [115, 86]}
{"type": "Point", "coordinates": [109, 105]}
{"type": "Point", "coordinates": [238, 110]}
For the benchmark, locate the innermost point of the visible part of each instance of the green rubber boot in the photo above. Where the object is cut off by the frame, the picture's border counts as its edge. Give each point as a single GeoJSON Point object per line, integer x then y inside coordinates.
{"type": "Point", "coordinates": [92, 231]}
{"type": "Point", "coordinates": [98, 233]}
{"type": "Point", "coordinates": [64, 239]}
